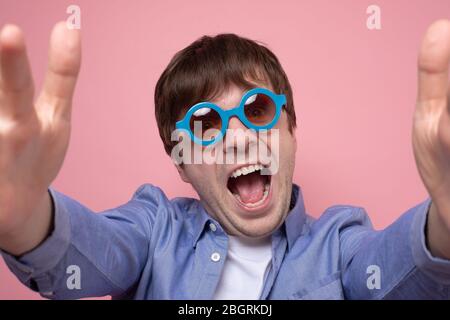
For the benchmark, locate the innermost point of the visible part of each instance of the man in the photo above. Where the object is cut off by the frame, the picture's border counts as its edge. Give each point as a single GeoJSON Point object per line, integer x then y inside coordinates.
{"type": "Point", "coordinates": [248, 236]}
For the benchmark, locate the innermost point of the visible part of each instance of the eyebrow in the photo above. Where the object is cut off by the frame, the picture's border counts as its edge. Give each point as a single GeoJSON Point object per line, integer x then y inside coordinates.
{"type": "Point", "coordinates": [254, 86]}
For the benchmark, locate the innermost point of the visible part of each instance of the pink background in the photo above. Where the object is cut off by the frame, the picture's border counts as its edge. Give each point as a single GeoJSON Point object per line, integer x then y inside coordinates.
{"type": "Point", "coordinates": [354, 91]}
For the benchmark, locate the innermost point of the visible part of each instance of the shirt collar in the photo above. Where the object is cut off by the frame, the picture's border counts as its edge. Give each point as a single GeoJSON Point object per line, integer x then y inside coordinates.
{"type": "Point", "coordinates": [296, 218]}
{"type": "Point", "coordinates": [293, 225]}
{"type": "Point", "coordinates": [201, 217]}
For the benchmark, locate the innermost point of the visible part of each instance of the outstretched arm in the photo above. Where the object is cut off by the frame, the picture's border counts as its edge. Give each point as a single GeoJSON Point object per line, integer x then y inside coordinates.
{"type": "Point", "coordinates": [412, 255]}
{"type": "Point", "coordinates": [34, 134]}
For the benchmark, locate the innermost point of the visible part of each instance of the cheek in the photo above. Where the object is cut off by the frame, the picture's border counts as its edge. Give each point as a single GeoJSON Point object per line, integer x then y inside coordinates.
{"type": "Point", "coordinates": [288, 148]}
{"type": "Point", "coordinates": [201, 174]}
{"type": "Point", "coordinates": [287, 144]}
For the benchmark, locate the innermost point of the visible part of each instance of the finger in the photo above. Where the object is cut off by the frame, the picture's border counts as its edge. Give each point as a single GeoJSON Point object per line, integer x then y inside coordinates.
{"type": "Point", "coordinates": [16, 84]}
{"type": "Point", "coordinates": [63, 67]}
{"type": "Point", "coordinates": [433, 62]}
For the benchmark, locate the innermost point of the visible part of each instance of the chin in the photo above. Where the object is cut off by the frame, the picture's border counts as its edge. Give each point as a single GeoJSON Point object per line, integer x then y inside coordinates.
{"type": "Point", "coordinates": [254, 226]}
{"type": "Point", "coordinates": [258, 228]}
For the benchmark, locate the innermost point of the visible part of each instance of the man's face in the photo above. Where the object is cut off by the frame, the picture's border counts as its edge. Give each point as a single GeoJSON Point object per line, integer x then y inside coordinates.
{"type": "Point", "coordinates": [250, 205]}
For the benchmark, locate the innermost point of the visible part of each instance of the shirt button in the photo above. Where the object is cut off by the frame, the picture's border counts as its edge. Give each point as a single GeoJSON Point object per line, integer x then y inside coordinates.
{"type": "Point", "coordinates": [215, 257]}
{"type": "Point", "coordinates": [213, 227]}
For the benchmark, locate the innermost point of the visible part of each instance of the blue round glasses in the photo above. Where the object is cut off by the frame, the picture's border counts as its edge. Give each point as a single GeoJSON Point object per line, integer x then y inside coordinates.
{"type": "Point", "coordinates": [207, 123]}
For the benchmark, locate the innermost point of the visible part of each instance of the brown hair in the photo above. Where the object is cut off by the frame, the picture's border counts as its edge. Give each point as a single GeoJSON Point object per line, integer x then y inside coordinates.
{"type": "Point", "coordinates": [206, 68]}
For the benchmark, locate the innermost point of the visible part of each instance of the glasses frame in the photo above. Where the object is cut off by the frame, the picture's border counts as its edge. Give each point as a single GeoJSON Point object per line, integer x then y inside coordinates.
{"type": "Point", "coordinates": [238, 111]}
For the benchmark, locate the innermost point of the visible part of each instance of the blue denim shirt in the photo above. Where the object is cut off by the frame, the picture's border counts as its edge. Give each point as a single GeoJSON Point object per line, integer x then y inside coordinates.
{"type": "Point", "coordinates": [156, 248]}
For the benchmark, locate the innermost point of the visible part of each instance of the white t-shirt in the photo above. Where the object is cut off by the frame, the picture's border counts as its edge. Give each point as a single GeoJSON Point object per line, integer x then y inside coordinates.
{"type": "Point", "coordinates": [245, 269]}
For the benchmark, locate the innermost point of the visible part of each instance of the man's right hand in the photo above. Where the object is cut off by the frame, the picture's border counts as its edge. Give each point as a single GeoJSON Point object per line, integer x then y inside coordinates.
{"type": "Point", "coordinates": [34, 134]}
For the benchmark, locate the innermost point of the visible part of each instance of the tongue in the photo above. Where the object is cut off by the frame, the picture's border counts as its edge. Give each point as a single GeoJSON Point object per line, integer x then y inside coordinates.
{"type": "Point", "coordinates": [249, 187]}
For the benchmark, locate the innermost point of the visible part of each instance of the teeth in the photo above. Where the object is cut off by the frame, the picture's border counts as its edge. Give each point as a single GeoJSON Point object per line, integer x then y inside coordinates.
{"type": "Point", "coordinates": [246, 170]}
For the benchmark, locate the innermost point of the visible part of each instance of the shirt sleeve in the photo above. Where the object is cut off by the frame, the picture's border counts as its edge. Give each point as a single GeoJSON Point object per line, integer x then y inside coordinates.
{"type": "Point", "coordinates": [90, 254]}
{"type": "Point", "coordinates": [393, 263]}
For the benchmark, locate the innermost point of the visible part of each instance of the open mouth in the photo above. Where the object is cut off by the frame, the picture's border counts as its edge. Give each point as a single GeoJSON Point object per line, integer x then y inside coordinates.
{"type": "Point", "coordinates": [249, 186]}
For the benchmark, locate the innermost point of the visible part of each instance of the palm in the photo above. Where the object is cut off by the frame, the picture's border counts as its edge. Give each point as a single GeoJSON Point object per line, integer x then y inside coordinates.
{"type": "Point", "coordinates": [431, 128]}
{"type": "Point", "coordinates": [33, 151]}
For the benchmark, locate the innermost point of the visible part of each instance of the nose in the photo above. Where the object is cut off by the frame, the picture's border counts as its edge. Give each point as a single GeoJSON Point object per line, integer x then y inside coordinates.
{"type": "Point", "coordinates": [239, 141]}
{"type": "Point", "coordinates": [234, 123]}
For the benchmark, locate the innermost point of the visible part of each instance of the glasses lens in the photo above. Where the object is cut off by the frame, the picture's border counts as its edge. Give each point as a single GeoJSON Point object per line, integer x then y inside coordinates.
{"type": "Point", "coordinates": [259, 109]}
{"type": "Point", "coordinates": [206, 123]}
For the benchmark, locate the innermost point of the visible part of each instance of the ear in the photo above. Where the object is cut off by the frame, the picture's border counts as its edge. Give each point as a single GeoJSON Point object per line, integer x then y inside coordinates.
{"type": "Point", "coordinates": [294, 140]}
{"type": "Point", "coordinates": [182, 173]}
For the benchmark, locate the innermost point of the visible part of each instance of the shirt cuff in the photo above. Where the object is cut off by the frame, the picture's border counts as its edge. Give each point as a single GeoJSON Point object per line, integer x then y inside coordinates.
{"type": "Point", "coordinates": [436, 268]}
{"type": "Point", "coordinates": [35, 263]}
